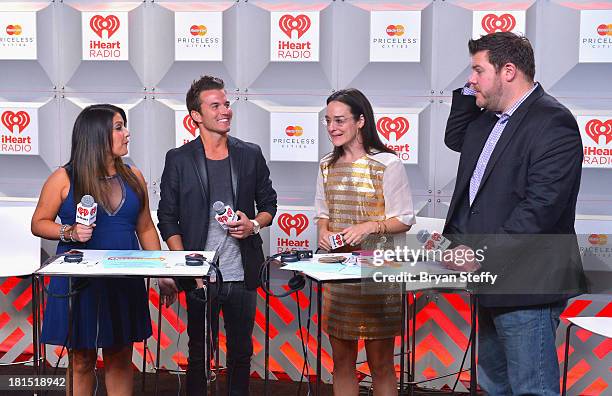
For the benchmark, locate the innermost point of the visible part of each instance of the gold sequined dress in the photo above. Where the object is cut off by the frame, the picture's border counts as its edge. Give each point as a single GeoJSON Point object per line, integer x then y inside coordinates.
{"type": "Point", "coordinates": [372, 188]}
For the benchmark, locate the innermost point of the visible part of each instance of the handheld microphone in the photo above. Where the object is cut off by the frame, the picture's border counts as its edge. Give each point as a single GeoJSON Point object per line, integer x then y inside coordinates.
{"type": "Point", "coordinates": [433, 241]}
{"type": "Point", "coordinates": [224, 214]}
{"type": "Point", "coordinates": [336, 241]}
{"type": "Point", "coordinates": [86, 211]}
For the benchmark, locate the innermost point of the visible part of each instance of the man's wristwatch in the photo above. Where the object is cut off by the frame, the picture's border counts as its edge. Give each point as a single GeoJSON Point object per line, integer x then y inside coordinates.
{"type": "Point", "coordinates": [256, 226]}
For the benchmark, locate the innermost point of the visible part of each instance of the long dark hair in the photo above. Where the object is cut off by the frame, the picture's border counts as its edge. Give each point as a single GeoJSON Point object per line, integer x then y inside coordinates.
{"type": "Point", "coordinates": [92, 139]}
{"type": "Point", "coordinates": [359, 105]}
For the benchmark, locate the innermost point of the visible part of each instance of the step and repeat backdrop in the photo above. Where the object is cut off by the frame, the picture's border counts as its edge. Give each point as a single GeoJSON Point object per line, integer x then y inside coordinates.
{"type": "Point", "coordinates": [280, 60]}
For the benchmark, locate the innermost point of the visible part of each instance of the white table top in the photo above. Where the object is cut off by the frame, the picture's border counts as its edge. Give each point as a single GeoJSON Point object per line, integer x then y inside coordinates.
{"type": "Point", "coordinates": [148, 263]}
{"type": "Point", "coordinates": [437, 277]}
{"type": "Point", "coordinates": [597, 325]}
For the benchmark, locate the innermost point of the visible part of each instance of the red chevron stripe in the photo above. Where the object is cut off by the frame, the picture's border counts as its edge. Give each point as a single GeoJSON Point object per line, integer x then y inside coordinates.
{"type": "Point", "coordinates": [603, 349]}
{"type": "Point", "coordinates": [429, 372]}
{"type": "Point", "coordinates": [303, 299]}
{"type": "Point", "coordinates": [596, 388]}
{"type": "Point", "coordinates": [432, 311]}
{"type": "Point", "coordinates": [575, 308]}
{"type": "Point", "coordinates": [460, 305]}
{"type": "Point", "coordinates": [165, 341]}
{"type": "Point", "coordinates": [4, 319]}
{"type": "Point", "coordinates": [575, 373]}
{"type": "Point", "coordinates": [180, 359]}
{"type": "Point", "coordinates": [279, 308]}
{"type": "Point", "coordinates": [326, 359]}
{"type": "Point", "coordinates": [23, 299]}
{"type": "Point", "coordinates": [296, 359]}
{"type": "Point", "coordinates": [9, 284]}
{"type": "Point", "coordinates": [431, 344]}
{"type": "Point", "coordinates": [606, 312]}
{"type": "Point", "coordinates": [260, 319]}
{"type": "Point", "coordinates": [561, 352]}
{"type": "Point", "coordinates": [169, 314]}
{"type": "Point", "coordinates": [11, 340]}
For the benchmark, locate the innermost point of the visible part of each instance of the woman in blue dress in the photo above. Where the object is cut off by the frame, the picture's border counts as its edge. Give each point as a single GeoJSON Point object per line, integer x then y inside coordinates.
{"type": "Point", "coordinates": [108, 313]}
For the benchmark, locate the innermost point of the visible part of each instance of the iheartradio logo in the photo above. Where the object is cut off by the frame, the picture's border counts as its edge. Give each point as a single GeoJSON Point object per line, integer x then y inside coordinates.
{"type": "Point", "coordinates": [294, 130]}
{"type": "Point", "coordinates": [598, 239]}
{"type": "Point", "coordinates": [98, 24]}
{"type": "Point", "coordinates": [604, 30]}
{"type": "Point", "coordinates": [596, 128]}
{"type": "Point", "coordinates": [492, 23]}
{"type": "Point", "coordinates": [14, 30]}
{"type": "Point", "coordinates": [386, 126]}
{"type": "Point", "coordinates": [298, 222]}
{"type": "Point", "coordinates": [198, 30]}
{"type": "Point", "coordinates": [10, 120]}
{"type": "Point", "coordinates": [190, 125]}
{"type": "Point", "coordinates": [395, 30]}
{"type": "Point", "coordinates": [289, 23]}
{"type": "Point", "coordinates": [86, 212]}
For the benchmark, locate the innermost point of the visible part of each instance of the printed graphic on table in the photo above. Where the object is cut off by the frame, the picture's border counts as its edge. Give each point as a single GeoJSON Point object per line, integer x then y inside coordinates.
{"type": "Point", "coordinates": [17, 35]}
{"type": "Point", "coordinates": [400, 132]}
{"type": "Point", "coordinates": [294, 36]}
{"type": "Point", "coordinates": [105, 36]}
{"type": "Point", "coordinates": [198, 36]}
{"type": "Point", "coordinates": [595, 45]}
{"type": "Point", "coordinates": [487, 22]}
{"type": "Point", "coordinates": [18, 130]}
{"type": "Point", "coordinates": [293, 230]}
{"type": "Point", "coordinates": [185, 128]}
{"type": "Point", "coordinates": [395, 36]}
{"type": "Point", "coordinates": [294, 137]}
{"type": "Point", "coordinates": [596, 133]}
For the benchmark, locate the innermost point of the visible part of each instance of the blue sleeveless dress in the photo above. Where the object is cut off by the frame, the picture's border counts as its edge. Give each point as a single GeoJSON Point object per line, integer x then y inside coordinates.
{"type": "Point", "coordinates": [107, 312]}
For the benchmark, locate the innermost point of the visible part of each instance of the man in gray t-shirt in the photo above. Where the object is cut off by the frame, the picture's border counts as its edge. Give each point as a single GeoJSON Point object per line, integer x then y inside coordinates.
{"type": "Point", "coordinates": [217, 167]}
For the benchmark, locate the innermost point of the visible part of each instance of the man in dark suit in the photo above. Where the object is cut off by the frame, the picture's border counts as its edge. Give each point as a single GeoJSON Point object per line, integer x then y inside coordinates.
{"type": "Point", "coordinates": [515, 199]}
{"type": "Point", "coordinates": [217, 167]}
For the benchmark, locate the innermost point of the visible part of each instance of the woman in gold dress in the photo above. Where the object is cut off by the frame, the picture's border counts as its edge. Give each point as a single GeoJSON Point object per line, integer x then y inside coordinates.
{"type": "Point", "coordinates": [362, 193]}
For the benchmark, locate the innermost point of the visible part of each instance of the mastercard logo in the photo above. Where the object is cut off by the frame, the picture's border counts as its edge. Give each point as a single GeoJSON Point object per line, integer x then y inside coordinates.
{"type": "Point", "coordinates": [198, 30]}
{"type": "Point", "coordinates": [598, 239]}
{"type": "Point", "coordinates": [395, 30]}
{"type": "Point", "coordinates": [294, 130]}
{"type": "Point", "coordinates": [14, 30]}
{"type": "Point", "coordinates": [604, 30]}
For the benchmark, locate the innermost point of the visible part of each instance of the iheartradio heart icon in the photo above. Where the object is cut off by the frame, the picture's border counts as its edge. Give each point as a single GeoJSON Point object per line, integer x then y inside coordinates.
{"type": "Point", "coordinates": [99, 24]}
{"type": "Point", "coordinates": [83, 211]}
{"type": "Point", "coordinates": [386, 126]}
{"type": "Point", "coordinates": [14, 30]}
{"type": "Point", "coordinates": [190, 125]}
{"type": "Point", "coordinates": [294, 130]}
{"type": "Point", "coordinates": [21, 119]}
{"type": "Point", "coordinates": [596, 128]}
{"type": "Point", "coordinates": [300, 23]}
{"type": "Point", "coordinates": [492, 23]}
{"type": "Point", "coordinates": [286, 222]}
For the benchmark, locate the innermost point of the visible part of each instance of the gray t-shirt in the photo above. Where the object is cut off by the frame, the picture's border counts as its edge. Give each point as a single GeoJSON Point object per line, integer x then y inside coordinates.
{"type": "Point", "coordinates": [220, 184]}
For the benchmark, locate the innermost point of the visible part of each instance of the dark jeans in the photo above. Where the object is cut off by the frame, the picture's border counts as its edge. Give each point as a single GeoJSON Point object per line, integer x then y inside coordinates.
{"type": "Point", "coordinates": [238, 306]}
{"type": "Point", "coordinates": [516, 351]}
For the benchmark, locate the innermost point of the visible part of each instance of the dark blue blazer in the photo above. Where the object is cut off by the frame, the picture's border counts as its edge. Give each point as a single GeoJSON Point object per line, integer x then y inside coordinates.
{"type": "Point", "coordinates": [524, 211]}
{"type": "Point", "coordinates": [184, 208]}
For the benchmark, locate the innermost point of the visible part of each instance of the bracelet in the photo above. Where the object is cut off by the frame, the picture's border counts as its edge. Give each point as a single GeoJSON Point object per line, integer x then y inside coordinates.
{"type": "Point", "coordinates": [62, 232]}
{"type": "Point", "coordinates": [384, 227]}
{"type": "Point", "coordinates": [378, 227]}
{"type": "Point", "coordinates": [71, 235]}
